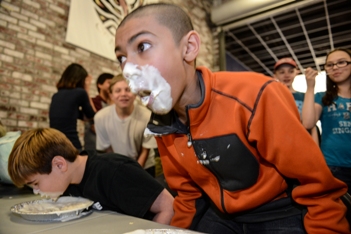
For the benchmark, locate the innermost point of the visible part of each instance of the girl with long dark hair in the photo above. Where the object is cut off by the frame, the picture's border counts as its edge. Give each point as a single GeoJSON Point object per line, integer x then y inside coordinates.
{"type": "Point", "coordinates": [71, 102]}
{"type": "Point", "coordinates": [333, 109]}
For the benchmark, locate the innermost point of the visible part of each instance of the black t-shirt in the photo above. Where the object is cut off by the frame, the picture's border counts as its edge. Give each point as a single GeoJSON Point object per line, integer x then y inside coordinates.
{"type": "Point", "coordinates": [118, 183]}
{"type": "Point", "coordinates": [68, 105]}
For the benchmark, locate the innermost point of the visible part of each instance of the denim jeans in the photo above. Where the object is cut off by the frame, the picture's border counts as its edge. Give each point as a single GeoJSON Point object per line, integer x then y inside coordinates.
{"type": "Point", "coordinates": [343, 174]}
{"type": "Point", "coordinates": [213, 224]}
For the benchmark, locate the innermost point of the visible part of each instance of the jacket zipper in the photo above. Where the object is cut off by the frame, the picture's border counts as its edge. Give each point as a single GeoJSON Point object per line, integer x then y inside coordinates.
{"type": "Point", "coordinates": [189, 144]}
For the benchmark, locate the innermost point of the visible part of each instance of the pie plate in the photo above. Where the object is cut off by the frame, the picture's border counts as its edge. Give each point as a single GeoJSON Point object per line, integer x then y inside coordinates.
{"type": "Point", "coordinates": [161, 231]}
{"type": "Point", "coordinates": [45, 210]}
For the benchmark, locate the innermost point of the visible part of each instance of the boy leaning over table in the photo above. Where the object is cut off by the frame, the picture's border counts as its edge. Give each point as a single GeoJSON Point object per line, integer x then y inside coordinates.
{"type": "Point", "coordinates": [228, 141]}
{"type": "Point", "coordinates": [46, 160]}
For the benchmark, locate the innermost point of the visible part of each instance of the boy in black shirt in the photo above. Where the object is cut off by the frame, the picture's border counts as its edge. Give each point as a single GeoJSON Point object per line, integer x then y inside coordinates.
{"type": "Point", "coordinates": [47, 161]}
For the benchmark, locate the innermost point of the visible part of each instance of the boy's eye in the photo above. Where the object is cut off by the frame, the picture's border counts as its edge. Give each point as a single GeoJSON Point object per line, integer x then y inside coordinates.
{"type": "Point", "coordinates": [143, 46]}
{"type": "Point", "coordinates": [121, 59]}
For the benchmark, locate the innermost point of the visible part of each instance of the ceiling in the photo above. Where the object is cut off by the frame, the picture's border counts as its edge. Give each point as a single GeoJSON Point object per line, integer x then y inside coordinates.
{"type": "Point", "coordinates": [304, 30]}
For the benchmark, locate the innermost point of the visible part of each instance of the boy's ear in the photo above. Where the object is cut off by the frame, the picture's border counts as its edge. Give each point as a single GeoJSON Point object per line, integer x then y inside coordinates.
{"type": "Point", "coordinates": [192, 46]}
{"type": "Point", "coordinates": [59, 163]}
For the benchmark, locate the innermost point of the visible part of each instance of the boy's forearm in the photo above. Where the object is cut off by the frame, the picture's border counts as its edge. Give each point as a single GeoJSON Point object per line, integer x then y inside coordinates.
{"type": "Point", "coordinates": [163, 208]}
{"type": "Point", "coordinates": [164, 217]}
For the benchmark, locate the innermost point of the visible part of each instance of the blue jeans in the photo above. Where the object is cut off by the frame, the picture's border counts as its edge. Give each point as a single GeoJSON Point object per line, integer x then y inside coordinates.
{"type": "Point", "coordinates": [343, 174]}
{"type": "Point", "coordinates": [213, 224]}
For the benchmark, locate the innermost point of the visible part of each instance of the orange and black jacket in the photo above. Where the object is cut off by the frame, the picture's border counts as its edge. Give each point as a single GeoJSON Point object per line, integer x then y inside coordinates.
{"type": "Point", "coordinates": [242, 142]}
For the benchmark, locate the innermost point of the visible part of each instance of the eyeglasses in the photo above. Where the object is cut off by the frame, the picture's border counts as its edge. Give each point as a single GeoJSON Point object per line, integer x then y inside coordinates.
{"type": "Point", "coordinates": [340, 64]}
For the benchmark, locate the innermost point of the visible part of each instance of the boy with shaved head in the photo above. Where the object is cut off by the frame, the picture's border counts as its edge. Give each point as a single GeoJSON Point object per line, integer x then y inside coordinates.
{"type": "Point", "coordinates": [228, 141]}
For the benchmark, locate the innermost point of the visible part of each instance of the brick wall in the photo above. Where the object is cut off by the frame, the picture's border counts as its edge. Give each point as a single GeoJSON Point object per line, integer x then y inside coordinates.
{"type": "Point", "coordinates": [33, 55]}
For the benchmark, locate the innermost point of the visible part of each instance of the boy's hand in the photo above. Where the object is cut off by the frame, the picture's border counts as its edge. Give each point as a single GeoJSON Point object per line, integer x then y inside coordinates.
{"type": "Point", "coordinates": [310, 75]}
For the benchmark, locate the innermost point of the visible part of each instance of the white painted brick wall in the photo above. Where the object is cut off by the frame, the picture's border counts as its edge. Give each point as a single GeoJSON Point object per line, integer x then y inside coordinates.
{"type": "Point", "coordinates": [7, 44]}
{"type": "Point", "coordinates": [45, 100]}
{"type": "Point", "coordinates": [43, 55]}
{"type": "Point", "coordinates": [36, 35]}
{"type": "Point", "coordinates": [32, 3]}
{"type": "Point", "coordinates": [16, 95]}
{"type": "Point", "coordinates": [30, 111]}
{"type": "Point", "coordinates": [3, 114]}
{"type": "Point", "coordinates": [27, 124]}
{"type": "Point", "coordinates": [61, 49]}
{"type": "Point", "coordinates": [57, 9]}
{"type": "Point", "coordinates": [3, 23]}
{"type": "Point", "coordinates": [17, 28]}
{"type": "Point", "coordinates": [30, 14]}
{"type": "Point", "coordinates": [22, 76]}
{"type": "Point", "coordinates": [52, 89]}
{"type": "Point", "coordinates": [39, 105]}
{"type": "Point", "coordinates": [45, 44]}
{"type": "Point", "coordinates": [37, 23]}
{"type": "Point", "coordinates": [18, 102]}
{"type": "Point", "coordinates": [6, 58]}
{"type": "Point", "coordinates": [48, 22]}
{"type": "Point", "coordinates": [8, 18]}
{"type": "Point", "coordinates": [26, 37]}
{"type": "Point", "coordinates": [13, 53]}
{"type": "Point", "coordinates": [27, 25]}
{"type": "Point", "coordinates": [43, 125]}
{"type": "Point", "coordinates": [10, 6]}
{"type": "Point", "coordinates": [19, 16]}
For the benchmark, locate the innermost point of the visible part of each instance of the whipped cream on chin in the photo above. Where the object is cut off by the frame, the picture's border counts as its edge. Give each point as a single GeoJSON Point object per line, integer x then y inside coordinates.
{"type": "Point", "coordinates": [52, 195]}
{"type": "Point", "coordinates": [147, 82]}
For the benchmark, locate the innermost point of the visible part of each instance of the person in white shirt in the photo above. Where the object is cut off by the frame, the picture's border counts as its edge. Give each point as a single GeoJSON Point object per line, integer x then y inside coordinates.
{"type": "Point", "coordinates": [120, 127]}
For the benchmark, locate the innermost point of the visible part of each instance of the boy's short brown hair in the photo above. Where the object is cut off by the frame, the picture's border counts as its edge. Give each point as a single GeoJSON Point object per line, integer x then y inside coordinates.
{"type": "Point", "coordinates": [116, 79]}
{"type": "Point", "coordinates": [171, 16]}
{"type": "Point", "coordinates": [34, 150]}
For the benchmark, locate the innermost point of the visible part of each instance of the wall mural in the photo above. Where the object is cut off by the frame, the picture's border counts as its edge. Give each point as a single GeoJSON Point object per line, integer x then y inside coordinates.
{"type": "Point", "coordinates": [92, 24]}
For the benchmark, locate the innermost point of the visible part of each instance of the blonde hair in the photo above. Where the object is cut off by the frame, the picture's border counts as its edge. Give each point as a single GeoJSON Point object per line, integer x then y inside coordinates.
{"type": "Point", "coordinates": [115, 80]}
{"type": "Point", "coordinates": [34, 150]}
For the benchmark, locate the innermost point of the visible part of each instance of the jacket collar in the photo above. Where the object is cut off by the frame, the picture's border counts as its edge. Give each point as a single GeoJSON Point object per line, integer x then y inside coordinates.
{"type": "Point", "coordinates": [170, 123]}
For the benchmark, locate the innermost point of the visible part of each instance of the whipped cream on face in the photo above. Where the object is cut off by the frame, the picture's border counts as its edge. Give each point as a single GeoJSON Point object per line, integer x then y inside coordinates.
{"type": "Point", "coordinates": [53, 196]}
{"type": "Point", "coordinates": [147, 82]}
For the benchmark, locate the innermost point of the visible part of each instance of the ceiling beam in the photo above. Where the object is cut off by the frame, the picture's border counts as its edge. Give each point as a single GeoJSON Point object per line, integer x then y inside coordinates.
{"type": "Point", "coordinates": [238, 61]}
{"type": "Point", "coordinates": [287, 44]}
{"type": "Point", "coordinates": [262, 42]}
{"type": "Point", "coordinates": [328, 23]}
{"type": "Point", "coordinates": [265, 15]}
{"type": "Point", "coordinates": [307, 39]}
{"type": "Point", "coordinates": [250, 53]}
